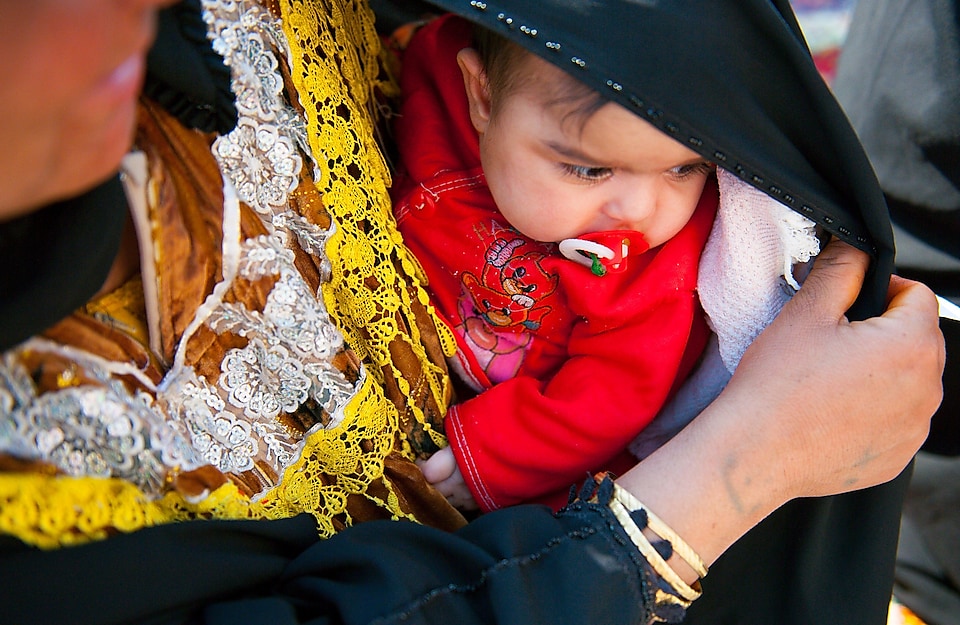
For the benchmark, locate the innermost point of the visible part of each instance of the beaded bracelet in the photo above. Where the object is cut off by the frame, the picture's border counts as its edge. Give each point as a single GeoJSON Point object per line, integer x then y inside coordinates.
{"type": "Point", "coordinates": [672, 596]}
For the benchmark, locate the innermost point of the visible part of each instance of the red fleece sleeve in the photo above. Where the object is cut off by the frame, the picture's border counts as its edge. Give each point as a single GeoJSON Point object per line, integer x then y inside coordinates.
{"type": "Point", "coordinates": [524, 437]}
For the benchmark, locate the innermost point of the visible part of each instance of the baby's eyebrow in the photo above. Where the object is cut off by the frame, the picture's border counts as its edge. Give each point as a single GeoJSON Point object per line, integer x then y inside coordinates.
{"type": "Point", "coordinates": [696, 160]}
{"type": "Point", "coordinates": [574, 154]}
{"type": "Point", "coordinates": [570, 152]}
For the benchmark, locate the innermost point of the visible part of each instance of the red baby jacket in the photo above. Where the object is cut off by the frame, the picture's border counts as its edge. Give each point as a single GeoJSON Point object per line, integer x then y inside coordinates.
{"type": "Point", "coordinates": [568, 366]}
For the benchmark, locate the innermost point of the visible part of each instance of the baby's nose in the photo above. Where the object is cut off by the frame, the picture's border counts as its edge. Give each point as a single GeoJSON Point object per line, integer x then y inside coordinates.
{"type": "Point", "coordinates": [631, 210]}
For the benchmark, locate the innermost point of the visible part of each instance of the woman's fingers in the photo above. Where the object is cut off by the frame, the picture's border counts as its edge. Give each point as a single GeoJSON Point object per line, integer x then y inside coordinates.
{"type": "Point", "coordinates": [833, 284]}
{"type": "Point", "coordinates": [854, 400]}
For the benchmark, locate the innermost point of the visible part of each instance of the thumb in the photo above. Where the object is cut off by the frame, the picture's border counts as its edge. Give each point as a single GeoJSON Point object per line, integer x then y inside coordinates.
{"type": "Point", "coordinates": [834, 281]}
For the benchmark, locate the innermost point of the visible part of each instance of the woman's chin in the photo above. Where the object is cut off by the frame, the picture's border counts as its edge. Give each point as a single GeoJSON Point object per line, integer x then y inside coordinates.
{"type": "Point", "coordinates": [109, 144]}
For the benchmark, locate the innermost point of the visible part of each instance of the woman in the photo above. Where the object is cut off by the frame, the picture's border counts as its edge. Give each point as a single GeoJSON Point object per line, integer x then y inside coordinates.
{"type": "Point", "coordinates": [276, 571]}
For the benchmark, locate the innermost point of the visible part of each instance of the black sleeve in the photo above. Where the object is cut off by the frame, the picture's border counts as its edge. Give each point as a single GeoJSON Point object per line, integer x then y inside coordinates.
{"type": "Point", "coordinates": [519, 565]}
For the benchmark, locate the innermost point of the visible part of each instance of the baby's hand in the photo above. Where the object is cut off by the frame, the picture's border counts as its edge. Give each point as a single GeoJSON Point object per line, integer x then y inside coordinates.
{"type": "Point", "coordinates": [442, 471]}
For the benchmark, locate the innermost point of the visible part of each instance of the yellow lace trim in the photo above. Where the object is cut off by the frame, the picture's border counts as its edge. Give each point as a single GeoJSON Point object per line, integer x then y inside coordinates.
{"type": "Point", "coordinates": [368, 295]}
{"type": "Point", "coordinates": [367, 291]}
{"type": "Point", "coordinates": [354, 453]}
{"type": "Point", "coordinates": [53, 512]}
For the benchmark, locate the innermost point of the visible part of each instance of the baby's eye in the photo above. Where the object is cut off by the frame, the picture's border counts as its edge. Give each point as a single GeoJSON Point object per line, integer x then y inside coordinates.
{"type": "Point", "coordinates": [682, 172]}
{"type": "Point", "coordinates": [589, 174]}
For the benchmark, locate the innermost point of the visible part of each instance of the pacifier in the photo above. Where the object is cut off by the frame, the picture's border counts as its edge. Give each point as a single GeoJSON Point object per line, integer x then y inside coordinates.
{"type": "Point", "coordinates": [604, 252]}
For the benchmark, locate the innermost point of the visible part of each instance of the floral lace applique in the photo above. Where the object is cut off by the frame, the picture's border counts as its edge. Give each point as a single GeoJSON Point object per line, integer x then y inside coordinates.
{"type": "Point", "coordinates": [260, 155]}
{"type": "Point", "coordinates": [287, 359]}
{"type": "Point", "coordinates": [262, 164]}
{"type": "Point", "coordinates": [285, 365]}
{"type": "Point", "coordinates": [90, 430]}
{"type": "Point", "coordinates": [219, 437]}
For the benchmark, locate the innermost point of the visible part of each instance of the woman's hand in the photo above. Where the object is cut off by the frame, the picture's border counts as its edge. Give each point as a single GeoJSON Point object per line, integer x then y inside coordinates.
{"type": "Point", "coordinates": [847, 403]}
{"type": "Point", "coordinates": [818, 405]}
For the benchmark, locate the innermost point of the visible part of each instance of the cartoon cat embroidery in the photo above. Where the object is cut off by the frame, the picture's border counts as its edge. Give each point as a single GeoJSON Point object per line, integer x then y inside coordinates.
{"type": "Point", "coordinates": [503, 303]}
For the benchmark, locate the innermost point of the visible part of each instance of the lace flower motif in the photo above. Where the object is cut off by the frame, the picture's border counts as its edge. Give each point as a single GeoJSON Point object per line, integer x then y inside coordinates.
{"type": "Point", "coordinates": [100, 431]}
{"type": "Point", "coordinates": [262, 164]}
{"type": "Point", "coordinates": [263, 380]}
{"type": "Point", "coordinates": [223, 440]}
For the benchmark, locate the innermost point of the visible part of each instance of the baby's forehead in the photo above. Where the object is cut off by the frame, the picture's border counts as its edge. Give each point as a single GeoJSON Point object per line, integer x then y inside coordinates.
{"type": "Point", "coordinates": [553, 88]}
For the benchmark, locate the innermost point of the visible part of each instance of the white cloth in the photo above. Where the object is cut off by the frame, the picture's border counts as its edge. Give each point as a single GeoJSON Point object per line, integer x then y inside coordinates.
{"type": "Point", "coordinates": [746, 275]}
{"type": "Point", "coordinates": [747, 268]}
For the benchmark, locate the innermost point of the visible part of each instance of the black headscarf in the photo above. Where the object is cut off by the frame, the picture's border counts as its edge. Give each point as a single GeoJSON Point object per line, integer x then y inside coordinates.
{"type": "Point", "coordinates": [54, 259]}
{"type": "Point", "coordinates": [734, 80]}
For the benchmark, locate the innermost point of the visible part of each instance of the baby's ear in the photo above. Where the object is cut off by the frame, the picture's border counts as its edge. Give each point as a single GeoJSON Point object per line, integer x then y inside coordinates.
{"type": "Point", "coordinates": [477, 88]}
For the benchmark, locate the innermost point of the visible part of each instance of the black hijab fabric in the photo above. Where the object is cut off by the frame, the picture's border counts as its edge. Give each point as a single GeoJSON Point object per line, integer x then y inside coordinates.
{"type": "Point", "coordinates": [54, 259]}
{"type": "Point", "coordinates": [184, 74]}
{"type": "Point", "coordinates": [734, 80]}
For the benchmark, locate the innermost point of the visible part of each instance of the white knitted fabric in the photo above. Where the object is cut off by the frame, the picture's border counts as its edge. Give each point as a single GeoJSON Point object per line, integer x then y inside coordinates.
{"type": "Point", "coordinates": [747, 273]}
{"type": "Point", "coordinates": [746, 270]}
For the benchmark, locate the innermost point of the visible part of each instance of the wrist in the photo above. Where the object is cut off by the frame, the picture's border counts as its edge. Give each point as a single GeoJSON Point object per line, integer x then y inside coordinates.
{"type": "Point", "coordinates": [713, 482]}
{"type": "Point", "coordinates": [660, 550]}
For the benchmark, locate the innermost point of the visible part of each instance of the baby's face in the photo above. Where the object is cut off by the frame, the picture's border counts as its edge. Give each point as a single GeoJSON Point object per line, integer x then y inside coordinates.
{"type": "Point", "coordinates": [556, 176]}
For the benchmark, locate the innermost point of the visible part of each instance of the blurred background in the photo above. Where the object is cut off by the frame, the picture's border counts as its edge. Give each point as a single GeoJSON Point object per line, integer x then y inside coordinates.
{"type": "Point", "coordinates": [825, 24]}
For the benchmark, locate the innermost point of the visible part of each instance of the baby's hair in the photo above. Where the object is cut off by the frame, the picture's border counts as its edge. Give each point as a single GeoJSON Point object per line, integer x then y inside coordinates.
{"type": "Point", "coordinates": [506, 69]}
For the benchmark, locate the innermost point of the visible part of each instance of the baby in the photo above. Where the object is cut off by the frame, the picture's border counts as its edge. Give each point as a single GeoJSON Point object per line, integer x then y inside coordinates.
{"type": "Point", "coordinates": [559, 234]}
